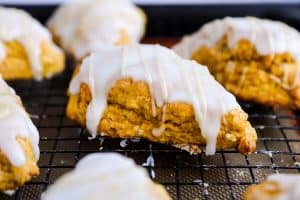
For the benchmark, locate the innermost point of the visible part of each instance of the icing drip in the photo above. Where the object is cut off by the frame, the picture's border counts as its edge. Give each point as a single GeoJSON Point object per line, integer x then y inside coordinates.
{"type": "Point", "coordinates": [148, 79]}
{"type": "Point", "coordinates": [104, 176]}
{"type": "Point", "coordinates": [20, 26]}
{"type": "Point", "coordinates": [285, 81]}
{"type": "Point", "coordinates": [290, 184]}
{"type": "Point", "coordinates": [85, 26]}
{"type": "Point", "coordinates": [269, 37]}
{"type": "Point", "coordinates": [242, 79]}
{"type": "Point", "coordinates": [164, 113]}
{"type": "Point", "coordinates": [180, 81]}
{"type": "Point", "coordinates": [14, 122]}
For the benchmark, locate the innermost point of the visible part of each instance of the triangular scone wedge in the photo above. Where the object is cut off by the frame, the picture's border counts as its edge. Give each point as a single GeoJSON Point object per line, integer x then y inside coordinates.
{"type": "Point", "coordinates": [148, 91]}
{"type": "Point", "coordinates": [256, 59]}
{"type": "Point", "coordinates": [106, 176]}
{"type": "Point", "coordinates": [82, 27]}
{"type": "Point", "coordinates": [26, 48]}
{"type": "Point", "coordinates": [19, 151]}
{"type": "Point", "coordinates": [275, 187]}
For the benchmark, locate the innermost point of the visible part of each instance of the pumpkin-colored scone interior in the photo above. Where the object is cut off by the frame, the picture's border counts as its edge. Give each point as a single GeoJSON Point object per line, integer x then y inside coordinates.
{"type": "Point", "coordinates": [129, 114]}
{"type": "Point", "coordinates": [16, 64]}
{"type": "Point", "coordinates": [11, 176]}
{"type": "Point", "coordinates": [265, 79]}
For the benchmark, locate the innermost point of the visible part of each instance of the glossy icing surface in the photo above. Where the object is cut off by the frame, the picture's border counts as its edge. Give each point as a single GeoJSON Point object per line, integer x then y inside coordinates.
{"type": "Point", "coordinates": [15, 122]}
{"type": "Point", "coordinates": [17, 25]}
{"type": "Point", "coordinates": [169, 77]}
{"type": "Point", "coordinates": [105, 176]}
{"type": "Point", "coordinates": [85, 26]}
{"type": "Point", "coordinates": [267, 36]}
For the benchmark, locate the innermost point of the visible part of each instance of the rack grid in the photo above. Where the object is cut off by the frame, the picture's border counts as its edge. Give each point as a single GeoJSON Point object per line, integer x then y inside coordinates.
{"type": "Point", "coordinates": [222, 176]}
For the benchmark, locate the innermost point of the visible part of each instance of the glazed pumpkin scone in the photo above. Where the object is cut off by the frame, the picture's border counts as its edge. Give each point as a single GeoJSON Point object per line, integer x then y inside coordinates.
{"type": "Point", "coordinates": [19, 140]}
{"type": "Point", "coordinates": [26, 47]}
{"type": "Point", "coordinates": [256, 59]}
{"type": "Point", "coordinates": [82, 27]}
{"type": "Point", "coordinates": [148, 91]}
{"type": "Point", "coordinates": [106, 176]}
{"type": "Point", "coordinates": [276, 187]}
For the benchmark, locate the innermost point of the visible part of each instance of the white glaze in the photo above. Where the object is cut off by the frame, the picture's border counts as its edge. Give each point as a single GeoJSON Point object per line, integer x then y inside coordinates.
{"type": "Point", "coordinates": [14, 121]}
{"type": "Point", "coordinates": [20, 26]}
{"type": "Point", "coordinates": [183, 81]}
{"type": "Point", "coordinates": [85, 26]}
{"type": "Point", "coordinates": [242, 80]}
{"type": "Point", "coordinates": [290, 184]}
{"type": "Point", "coordinates": [269, 37]}
{"type": "Point", "coordinates": [104, 176]}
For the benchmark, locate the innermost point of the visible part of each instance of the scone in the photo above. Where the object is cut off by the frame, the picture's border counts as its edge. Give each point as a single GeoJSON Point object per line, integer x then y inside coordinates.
{"type": "Point", "coordinates": [106, 176]}
{"type": "Point", "coordinates": [19, 140]}
{"type": "Point", "coordinates": [276, 187]}
{"type": "Point", "coordinates": [82, 27]}
{"type": "Point", "coordinates": [258, 60]}
{"type": "Point", "coordinates": [26, 48]}
{"type": "Point", "coordinates": [148, 91]}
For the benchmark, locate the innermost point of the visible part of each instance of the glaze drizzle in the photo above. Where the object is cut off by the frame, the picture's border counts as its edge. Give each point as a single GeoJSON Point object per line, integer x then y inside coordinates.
{"type": "Point", "coordinates": [105, 176]}
{"type": "Point", "coordinates": [19, 26]}
{"type": "Point", "coordinates": [180, 80]}
{"type": "Point", "coordinates": [85, 26]}
{"type": "Point", "coordinates": [269, 38]}
{"type": "Point", "coordinates": [15, 122]}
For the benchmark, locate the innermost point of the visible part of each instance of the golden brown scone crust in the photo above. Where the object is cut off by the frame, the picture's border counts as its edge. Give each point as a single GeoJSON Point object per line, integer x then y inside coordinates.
{"type": "Point", "coordinates": [268, 190]}
{"type": "Point", "coordinates": [129, 115]}
{"type": "Point", "coordinates": [16, 64]}
{"type": "Point", "coordinates": [250, 76]}
{"type": "Point", "coordinates": [12, 177]}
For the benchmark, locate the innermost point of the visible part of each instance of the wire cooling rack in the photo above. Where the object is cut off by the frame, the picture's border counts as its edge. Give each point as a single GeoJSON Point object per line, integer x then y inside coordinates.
{"type": "Point", "coordinates": [222, 176]}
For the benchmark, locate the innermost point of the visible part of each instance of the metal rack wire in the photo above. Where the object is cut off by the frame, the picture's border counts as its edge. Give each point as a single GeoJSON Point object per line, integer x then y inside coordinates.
{"type": "Point", "coordinates": [222, 176]}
